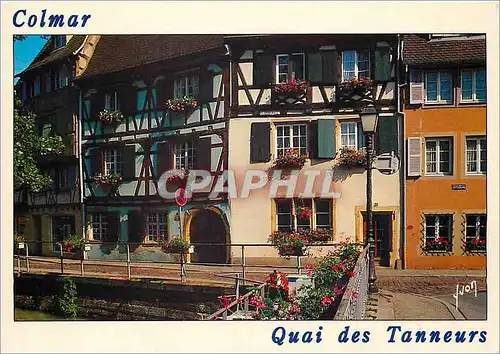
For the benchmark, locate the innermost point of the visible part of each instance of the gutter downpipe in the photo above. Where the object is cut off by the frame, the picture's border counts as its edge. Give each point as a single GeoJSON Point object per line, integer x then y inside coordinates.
{"type": "Point", "coordinates": [402, 149]}
{"type": "Point", "coordinates": [80, 158]}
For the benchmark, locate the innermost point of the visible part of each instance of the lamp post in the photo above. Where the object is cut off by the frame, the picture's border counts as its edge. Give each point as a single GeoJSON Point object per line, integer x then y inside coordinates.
{"type": "Point", "coordinates": [369, 120]}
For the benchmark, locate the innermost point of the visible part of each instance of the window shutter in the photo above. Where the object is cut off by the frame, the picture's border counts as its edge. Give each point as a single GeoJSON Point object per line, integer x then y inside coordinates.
{"type": "Point", "coordinates": [96, 105]}
{"type": "Point", "coordinates": [326, 138]}
{"type": "Point", "coordinates": [387, 134]}
{"type": "Point", "coordinates": [361, 136]}
{"type": "Point", "coordinates": [72, 176]}
{"type": "Point", "coordinates": [416, 87]}
{"type": "Point", "coordinates": [127, 98]}
{"type": "Point", "coordinates": [164, 91]}
{"type": "Point", "coordinates": [382, 64]}
{"type": "Point", "coordinates": [315, 67]}
{"type": "Point", "coordinates": [312, 139]}
{"type": "Point", "coordinates": [135, 226]}
{"type": "Point", "coordinates": [330, 65]}
{"type": "Point", "coordinates": [204, 154]}
{"type": "Point", "coordinates": [129, 162]}
{"type": "Point", "coordinates": [263, 70]}
{"type": "Point", "coordinates": [96, 161]}
{"type": "Point", "coordinates": [114, 227]}
{"type": "Point", "coordinates": [260, 142]}
{"type": "Point", "coordinates": [206, 88]}
{"type": "Point", "coordinates": [163, 158]}
{"type": "Point", "coordinates": [414, 156]}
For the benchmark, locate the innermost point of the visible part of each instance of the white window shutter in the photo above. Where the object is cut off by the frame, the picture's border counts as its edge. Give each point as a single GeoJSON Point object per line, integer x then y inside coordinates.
{"type": "Point", "coordinates": [416, 87]}
{"type": "Point", "coordinates": [414, 156]}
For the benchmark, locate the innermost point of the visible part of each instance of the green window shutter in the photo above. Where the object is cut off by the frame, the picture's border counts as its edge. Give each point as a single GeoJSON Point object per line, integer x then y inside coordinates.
{"type": "Point", "coordinates": [382, 64]}
{"type": "Point", "coordinates": [260, 142]}
{"type": "Point", "coordinates": [164, 92]}
{"type": "Point", "coordinates": [361, 136]}
{"type": "Point", "coordinates": [96, 105]}
{"type": "Point", "coordinates": [114, 227]}
{"type": "Point", "coordinates": [326, 138]}
{"type": "Point", "coordinates": [312, 139]}
{"type": "Point", "coordinates": [95, 161]}
{"type": "Point", "coordinates": [204, 154]}
{"type": "Point", "coordinates": [330, 65]}
{"type": "Point", "coordinates": [263, 70]}
{"type": "Point", "coordinates": [164, 159]}
{"type": "Point", "coordinates": [315, 67]}
{"type": "Point", "coordinates": [387, 134]}
{"type": "Point", "coordinates": [129, 162]}
{"type": "Point", "coordinates": [206, 88]}
{"type": "Point", "coordinates": [127, 98]}
{"type": "Point", "coordinates": [135, 226]}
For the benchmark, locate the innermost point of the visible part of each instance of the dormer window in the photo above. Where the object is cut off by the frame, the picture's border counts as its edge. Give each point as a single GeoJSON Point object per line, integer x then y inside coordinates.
{"type": "Point", "coordinates": [59, 41]}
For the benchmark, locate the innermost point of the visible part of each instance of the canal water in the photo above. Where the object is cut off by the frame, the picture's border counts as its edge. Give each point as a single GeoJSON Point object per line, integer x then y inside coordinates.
{"type": "Point", "coordinates": [29, 315]}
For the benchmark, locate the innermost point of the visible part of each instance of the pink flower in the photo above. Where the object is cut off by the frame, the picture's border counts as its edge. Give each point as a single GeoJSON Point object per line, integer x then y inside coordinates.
{"type": "Point", "coordinates": [350, 274]}
{"type": "Point", "coordinates": [326, 301]}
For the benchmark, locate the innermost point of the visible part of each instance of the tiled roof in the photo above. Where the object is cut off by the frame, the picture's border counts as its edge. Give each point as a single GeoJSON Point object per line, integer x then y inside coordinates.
{"type": "Point", "coordinates": [46, 55]}
{"type": "Point", "coordinates": [114, 53]}
{"type": "Point", "coordinates": [418, 49]}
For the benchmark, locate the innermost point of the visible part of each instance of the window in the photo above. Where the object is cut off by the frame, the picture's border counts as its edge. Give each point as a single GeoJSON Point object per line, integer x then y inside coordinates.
{"type": "Point", "coordinates": [438, 156]}
{"type": "Point", "coordinates": [156, 225]}
{"type": "Point", "coordinates": [111, 102]}
{"type": "Point", "coordinates": [62, 227]}
{"type": "Point", "coordinates": [291, 137]}
{"type": "Point", "coordinates": [59, 41]}
{"type": "Point", "coordinates": [351, 135]}
{"type": "Point", "coordinates": [62, 178]}
{"type": "Point", "coordinates": [355, 63]}
{"type": "Point", "coordinates": [186, 86]}
{"type": "Point", "coordinates": [438, 87]}
{"type": "Point", "coordinates": [185, 155]}
{"type": "Point", "coordinates": [113, 162]}
{"type": "Point", "coordinates": [290, 66]}
{"type": "Point", "coordinates": [476, 154]}
{"type": "Point", "coordinates": [99, 226]}
{"type": "Point", "coordinates": [290, 214]}
{"type": "Point", "coordinates": [46, 130]}
{"type": "Point", "coordinates": [438, 231]}
{"type": "Point", "coordinates": [37, 86]}
{"type": "Point", "coordinates": [61, 78]}
{"type": "Point", "coordinates": [475, 232]}
{"type": "Point", "coordinates": [47, 79]}
{"type": "Point", "coordinates": [473, 85]}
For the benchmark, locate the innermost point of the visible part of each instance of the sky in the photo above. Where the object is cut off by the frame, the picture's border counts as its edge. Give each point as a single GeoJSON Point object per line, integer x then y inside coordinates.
{"type": "Point", "coordinates": [25, 51]}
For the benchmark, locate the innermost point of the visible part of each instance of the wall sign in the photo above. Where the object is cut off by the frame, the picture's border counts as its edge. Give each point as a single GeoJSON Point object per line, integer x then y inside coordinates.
{"type": "Point", "coordinates": [459, 187]}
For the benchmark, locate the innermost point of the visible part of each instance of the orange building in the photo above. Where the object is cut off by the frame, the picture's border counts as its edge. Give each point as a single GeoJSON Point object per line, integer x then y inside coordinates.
{"type": "Point", "coordinates": [445, 132]}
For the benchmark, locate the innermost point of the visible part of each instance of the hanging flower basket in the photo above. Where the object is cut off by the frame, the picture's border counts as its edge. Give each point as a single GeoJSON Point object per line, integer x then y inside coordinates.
{"type": "Point", "coordinates": [110, 117]}
{"type": "Point", "coordinates": [112, 179]}
{"type": "Point", "coordinates": [476, 245]}
{"type": "Point", "coordinates": [290, 159]}
{"type": "Point", "coordinates": [178, 178]}
{"type": "Point", "coordinates": [350, 157]}
{"type": "Point", "coordinates": [175, 245]}
{"type": "Point", "coordinates": [349, 89]}
{"type": "Point", "coordinates": [289, 243]}
{"type": "Point", "coordinates": [181, 104]}
{"type": "Point", "coordinates": [304, 213]}
{"type": "Point", "coordinates": [438, 244]}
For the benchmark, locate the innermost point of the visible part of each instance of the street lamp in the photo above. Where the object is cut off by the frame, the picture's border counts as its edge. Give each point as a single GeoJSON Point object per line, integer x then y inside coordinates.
{"type": "Point", "coordinates": [369, 120]}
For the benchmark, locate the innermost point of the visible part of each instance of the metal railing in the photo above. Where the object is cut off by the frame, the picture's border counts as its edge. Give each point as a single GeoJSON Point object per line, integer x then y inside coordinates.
{"type": "Point", "coordinates": [353, 303]}
{"type": "Point", "coordinates": [26, 261]}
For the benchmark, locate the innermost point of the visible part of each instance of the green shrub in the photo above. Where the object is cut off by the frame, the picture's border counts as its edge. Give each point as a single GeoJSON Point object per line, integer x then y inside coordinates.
{"type": "Point", "coordinates": [67, 300]}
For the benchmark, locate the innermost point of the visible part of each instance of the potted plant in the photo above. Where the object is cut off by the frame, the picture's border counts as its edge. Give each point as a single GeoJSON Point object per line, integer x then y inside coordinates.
{"type": "Point", "coordinates": [181, 104]}
{"type": "Point", "coordinates": [350, 157]}
{"type": "Point", "coordinates": [178, 178]}
{"type": "Point", "coordinates": [289, 243]}
{"type": "Point", "coordinates": [349, 89]}
{"type": "Point", "coordinates": [438, 244]}
{"type": "Point", "coordinates": [175, 245]}
{"type": "Point", "coordinates": [108, 182]}
{"type": "Point", "coordinates": [477, 244]}
{"type": "Point", "coordinates": [19, 241]}
{"type": "Point", "coordinates": [73, 244]}
{"type": "Point", "coordinates": [110, 117]}
{"type": "Point", "coordinates": [290, 159]}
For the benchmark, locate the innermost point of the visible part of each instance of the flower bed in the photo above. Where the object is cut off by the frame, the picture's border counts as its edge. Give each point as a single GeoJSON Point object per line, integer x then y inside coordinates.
{"type": "Point", "coordinates": [181, 104]}
{"type": "Point", "coordinates": [312, 302]}
{"type": "Point", "coordinates": [110, 117]}
{"type": "Point", "coordinates": [290, 159]}
{"type": "Point", "coordinates": [438, 244]}
{"type": "Point", "coordinates": [292, 86]}
{"type": "Point", "coordinates": [175, 245]}
{"type": "Point", "coordinates": [350, 157]}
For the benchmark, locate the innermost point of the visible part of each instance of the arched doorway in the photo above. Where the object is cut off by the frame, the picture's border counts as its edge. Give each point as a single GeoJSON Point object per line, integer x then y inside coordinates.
{"type": "Point", "coordinates": [207, 226]}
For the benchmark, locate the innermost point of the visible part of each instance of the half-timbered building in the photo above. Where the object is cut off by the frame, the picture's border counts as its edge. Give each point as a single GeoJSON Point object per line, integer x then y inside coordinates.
{"type": "Point", "coordinates": [46, 88]}
{"type": "Point", "coordinates": [169, 94]}
{"type": "Point", "coordinates": [266, 120]}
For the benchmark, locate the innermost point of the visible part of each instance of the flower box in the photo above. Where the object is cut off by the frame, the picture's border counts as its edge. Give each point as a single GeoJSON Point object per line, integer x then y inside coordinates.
{"type": "Point", "coordinates": [289, 243]}
{"type": "Point", "coordinates": [350, 157]}
{"type": "Point", "coordinates": [178, 178]}
{"type": "Point", "coordinates": [181, 104]}
{"type": "Point", "coordinates": [438, 244]}
{"type": "Point", "coordinates": [476, 245]}
{"type": "Point", "coordinates": [176, 245]}
{"type": "Point", "coordinates": [111, 179]}
{"type": "Point", "coordinates": [355, 89]}
{"type": "Point", "coordinates": [319, 235]}
{"type": "Point", "coordinates": [110, 117]}
{"type": "Point", "coordinates": [291, 87]}
{"type": "Point", "coordinates": [290, 159]}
